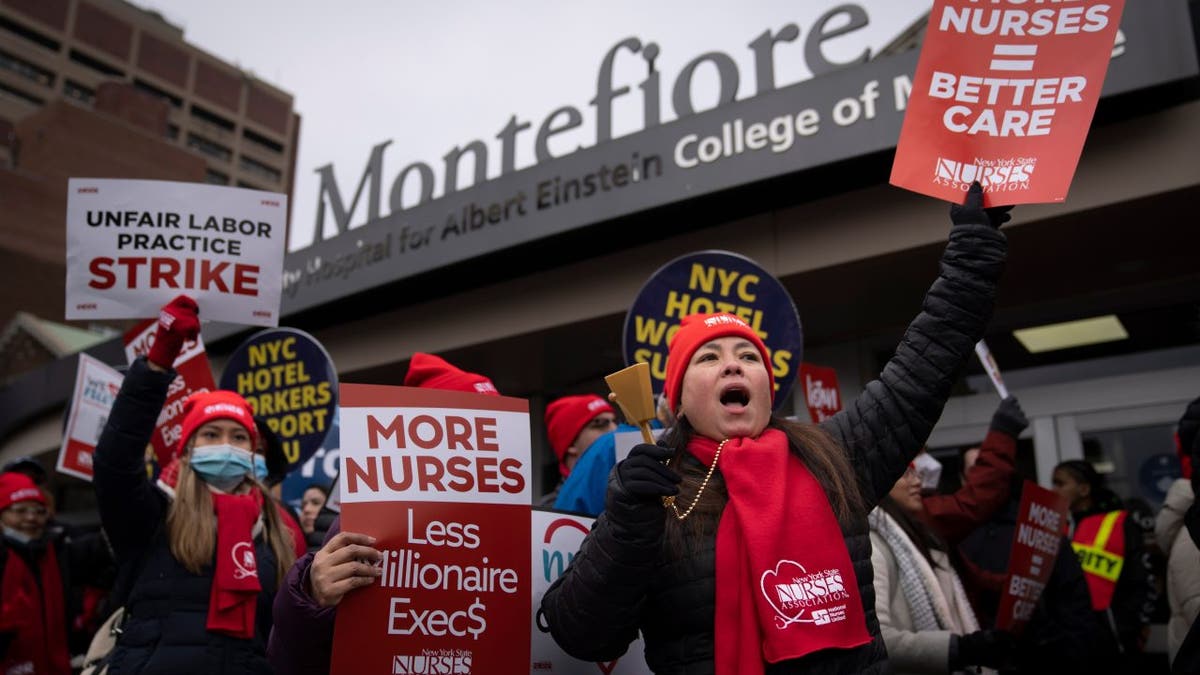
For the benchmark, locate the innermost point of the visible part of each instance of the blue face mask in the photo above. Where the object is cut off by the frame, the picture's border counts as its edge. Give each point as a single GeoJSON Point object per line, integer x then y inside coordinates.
{"type": "Point", "coordinates": [260, 467]}
{"type": "Point", "coordinates": [222, 466]}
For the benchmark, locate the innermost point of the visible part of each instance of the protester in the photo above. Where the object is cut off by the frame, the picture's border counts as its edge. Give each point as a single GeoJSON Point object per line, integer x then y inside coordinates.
{"type": "Point", "coordinates": [987, 474]}
{"type": "Point", "coordinates": [31, 467]}
{"type": "Point", "coordinates": [200, 560]}
{"type": "Point", "coordinates": [791, 499]}
{"type": "Point", "coordinates": [584, 488]}
{"type": "Point", "coordinates": [42, 571]}
{"type": "Point", "coordinates": [1178, 530]}
{"type": "Point", "coordinates": [306, 606]}
{"type": "Point", "coordinates": [311, 503]}
{"type": "Point", "coordinates": [573, 423]}
{"type": "Point", "coordinates": [924, 614]}
{"type": "Point", "coordinates": [1109, 547]}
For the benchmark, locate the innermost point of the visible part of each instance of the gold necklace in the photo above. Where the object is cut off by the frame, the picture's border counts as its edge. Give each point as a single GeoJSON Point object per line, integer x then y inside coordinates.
{"type": "Point", "coordinates": [669, 502]}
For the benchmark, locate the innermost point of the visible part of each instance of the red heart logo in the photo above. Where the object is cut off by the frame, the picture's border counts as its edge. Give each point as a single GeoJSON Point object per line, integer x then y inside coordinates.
{"type": "Point", "coordinates": [773, 583]}
{"type": "Point", "coordinates": [606, 668]}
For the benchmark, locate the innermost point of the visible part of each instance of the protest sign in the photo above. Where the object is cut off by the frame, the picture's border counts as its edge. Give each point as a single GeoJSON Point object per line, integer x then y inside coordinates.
{"type": "Point", "coordinates": [193, 374]}
{"type": "Point", "coordinates": [821, 392]}
{"type": "Point", "coordinates": [1004, 94]}
{"type": "Point", "coordinates": [556, 540]}
{"type": "Point", "coordinates": [1041, 521]}
{"type": "Point", "coordinates": [133, 245]}
{"type": "Point", "coordinates": [96, 387]}
{"type": "Point", "coordinates": [288, 379]}
{"type": "Point", "coordinates": [989, 365]}
{"type": "Point", "coordinates": [320, 469]}
{"type": "Point", "coordinates": [442, 480]}
{"type": "Point", "coordinates": [707, 282]}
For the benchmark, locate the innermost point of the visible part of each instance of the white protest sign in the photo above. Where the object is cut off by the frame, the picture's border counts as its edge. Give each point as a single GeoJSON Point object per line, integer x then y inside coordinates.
{"type": "Point", "coordinates": [96, 387]}
{"type": "Point", "coordinates": [133, 245]}
{"type": "Point", "coordinates": [993, 370]}
{"type": "Point", "coordinates": [556, 540]}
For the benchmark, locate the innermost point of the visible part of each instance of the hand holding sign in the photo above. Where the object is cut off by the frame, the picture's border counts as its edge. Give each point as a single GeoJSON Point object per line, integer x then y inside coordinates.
{"type": "Point", "coordinates": [178, 322]}
{"type": "Point", "coordinates": [645, 477]}
{"type": "Point", "coordinates": [990, 648]}
{"type": "Point", "coordinates": [971, 211]}
{"type": "Point", "coordinates": [344, 563]}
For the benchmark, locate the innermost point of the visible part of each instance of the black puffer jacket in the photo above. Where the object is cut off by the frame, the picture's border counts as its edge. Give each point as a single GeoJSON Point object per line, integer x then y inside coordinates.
{"type": "Point", "coordinates": [167, 605]}
{"type": "Point", "coordinates": [625, 579]}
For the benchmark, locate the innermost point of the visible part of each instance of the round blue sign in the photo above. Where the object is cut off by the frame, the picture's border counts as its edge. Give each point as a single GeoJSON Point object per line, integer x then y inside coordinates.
{"type": "Point", "coordinates": [1156, 473]}
{"type": "Point", "coordinates": [708, 282]}
{"type": "Point", "coordinates": [321, 469]}
{"type": "Point", "coordinates": [288, 379]}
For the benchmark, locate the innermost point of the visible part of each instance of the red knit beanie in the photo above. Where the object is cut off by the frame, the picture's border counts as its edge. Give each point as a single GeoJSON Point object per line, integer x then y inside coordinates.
{"type": "Point", "coordinates": [434, 372]}
{"type": "Point", "coordinates": [17, 487]}
{"type": "Point", "coordinates": [205, 406]}
{"type": "Point", "coordinates": [567, 416]}
{"type": "Point", "coordinates": [695, 330]}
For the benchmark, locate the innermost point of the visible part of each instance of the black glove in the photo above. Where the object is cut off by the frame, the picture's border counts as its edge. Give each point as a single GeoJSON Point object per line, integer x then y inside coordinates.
{"type": "Point", "coordinates": [1009, 418]}
{"type": "Point", "coordinates": [972, 212]}
{"type": "Point", "coordinates": [643, 474]}
{"type": "Point", "coordinates": [989, 648]}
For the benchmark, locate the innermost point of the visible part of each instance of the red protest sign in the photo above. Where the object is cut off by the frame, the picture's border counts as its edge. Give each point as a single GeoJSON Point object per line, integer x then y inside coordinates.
{"type": "Point", "coordinates": [193, 375]}
{"type": "Point", "coordinates": [1040, 526]}
{"type": "Point", "coordinates": [1004, 94]}
{"type": "Point", "coordinates": [442, 480]}
{"type": "Point", "coordinates": [820, 391]}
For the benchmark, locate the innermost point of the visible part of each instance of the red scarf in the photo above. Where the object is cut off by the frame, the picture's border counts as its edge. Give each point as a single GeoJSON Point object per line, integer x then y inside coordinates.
{"type": "Point", "coordinates": [785, 581]}
{"type": "Point", "coordinates": [235, 585]}
{"type": "Point", "coordinates": [35, 615]}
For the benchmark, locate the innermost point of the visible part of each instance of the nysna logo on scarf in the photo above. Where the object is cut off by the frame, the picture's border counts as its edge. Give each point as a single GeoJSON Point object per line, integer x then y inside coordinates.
{"type": "Point", "coordinates": [244, 562]}
{"type": "Point", "coordinates": [798, 596]}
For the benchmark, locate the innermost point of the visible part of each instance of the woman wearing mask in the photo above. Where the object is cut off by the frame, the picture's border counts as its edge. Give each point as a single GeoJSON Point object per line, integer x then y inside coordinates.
{"type": "Point", "coordinates": [923, 610]}
{"type": "Point", "coordinates": [749, 551]}
{"type": "Point", "coordinates": [199, 563]}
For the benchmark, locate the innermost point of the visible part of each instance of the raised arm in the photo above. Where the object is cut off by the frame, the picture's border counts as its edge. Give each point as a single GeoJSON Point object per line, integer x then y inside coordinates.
{"type": "Point", "coordinates": [884, 427]}
{"type": "Point", "coordinates": [130, 506]}
{"type": "Point", "coordinates": [987, 485]}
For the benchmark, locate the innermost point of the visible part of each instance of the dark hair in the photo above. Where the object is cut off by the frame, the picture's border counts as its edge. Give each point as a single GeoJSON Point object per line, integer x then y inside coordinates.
{"type": "Point", "coordinates": [819, 452]}
{"type": "Point", "coordinates": [1083, 472]}
{"type": "Point", "coordinates": [317, 486]}
{"type": "Point", "coordinates": [1101, 497]}
{"type": "Point", "coordinates": [922, 536]}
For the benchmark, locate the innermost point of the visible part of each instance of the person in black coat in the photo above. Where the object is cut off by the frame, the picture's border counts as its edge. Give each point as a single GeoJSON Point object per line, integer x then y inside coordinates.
{"type": "Point", "coordinates": [764, 564]}
{"type": "Point", "coordinates": [200, 557]}
{"type": "Point", "coordinates": [1063, 633]}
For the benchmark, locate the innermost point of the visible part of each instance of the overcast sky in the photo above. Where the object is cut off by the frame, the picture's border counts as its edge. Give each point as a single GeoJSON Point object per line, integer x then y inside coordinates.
{"type": "Point", "coordinates": [432, 76]}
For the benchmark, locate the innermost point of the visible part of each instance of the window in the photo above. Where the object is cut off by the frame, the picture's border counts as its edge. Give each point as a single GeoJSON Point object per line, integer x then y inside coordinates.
{"type": "Point", "coordinates": [172, 132]}
{"type": "Point", "coordinates": [78, 92]}
{"type": "Point", "coordinates": [244, 184]}
{"type": "Point", "coordinates": [211, 118]}
{"type": "Point", "coordinates": [215, 177]}
{"type": "Point", "coordinates": [25, 97]}
{"type": "Point", "coordinates": [259, 169]}
{"type": "Point", "coordinates": [95, 64]}
{"type": "Point", "coordinates": [260, 141]}
{"type": "Point", "coordinates": [27, 70]}
{"type": "Point", "coordinates": [28, 34]}
{"type": "Point", "coordinates": [207, 147]}
{"type": "Point", "coordinates": [174, 100]}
